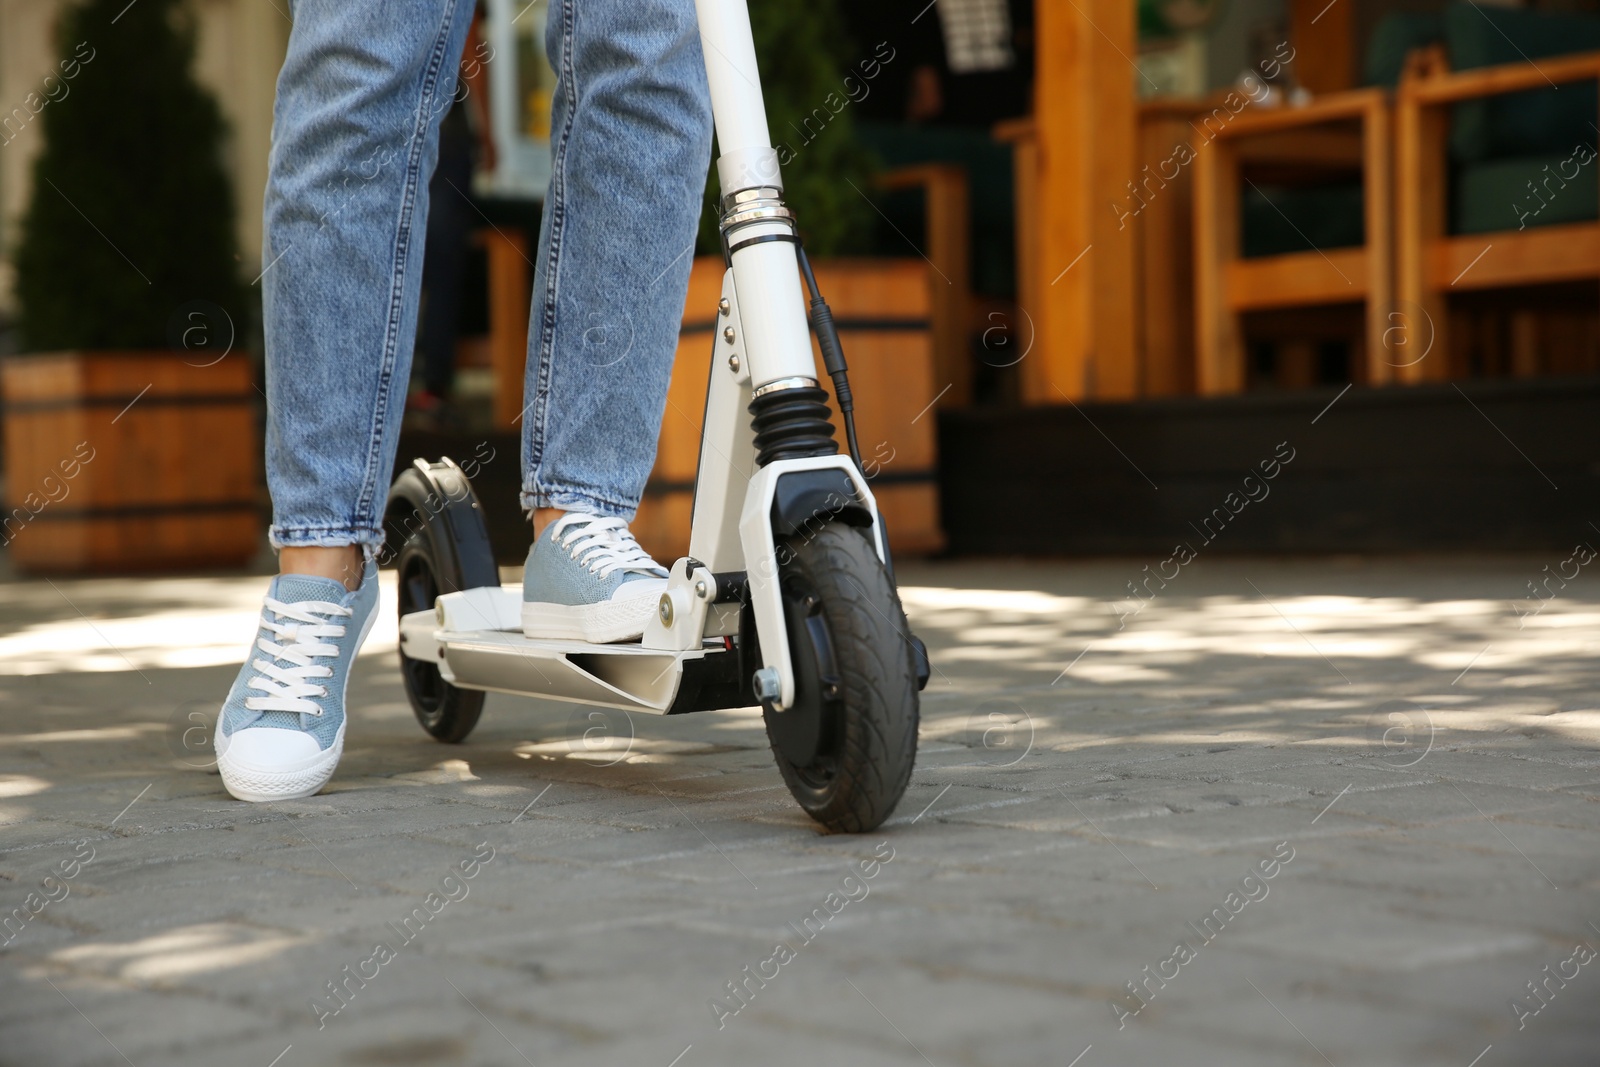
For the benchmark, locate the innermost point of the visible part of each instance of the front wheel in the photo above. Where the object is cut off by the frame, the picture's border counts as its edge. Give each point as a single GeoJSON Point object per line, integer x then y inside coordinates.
{"type": "Point", "coordinates": [847, 745]}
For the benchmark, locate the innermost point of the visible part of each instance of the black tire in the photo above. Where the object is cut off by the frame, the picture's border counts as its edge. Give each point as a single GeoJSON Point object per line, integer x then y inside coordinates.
{"type": "Point", "coordinates": [434, 525]}
{"type": "Point", "coordinates": [447, 713]}
{"type": "Point", "coordinates": [868, 740]}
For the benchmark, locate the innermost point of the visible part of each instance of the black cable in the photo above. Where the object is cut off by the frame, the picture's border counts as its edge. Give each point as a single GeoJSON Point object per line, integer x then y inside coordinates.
{"type": "Point", "coordinates": [832, 354]}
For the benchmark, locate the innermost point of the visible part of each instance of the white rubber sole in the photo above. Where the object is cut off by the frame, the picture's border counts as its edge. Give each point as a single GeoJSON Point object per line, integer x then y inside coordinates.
{"type": "Point", "coordinates": [606, 623]}
{"type": "Point", "coordinates": [262, 785]}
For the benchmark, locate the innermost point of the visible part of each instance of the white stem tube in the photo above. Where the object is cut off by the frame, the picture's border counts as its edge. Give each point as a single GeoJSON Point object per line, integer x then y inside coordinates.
{"type": "Point", "coordinates": [766, 276]}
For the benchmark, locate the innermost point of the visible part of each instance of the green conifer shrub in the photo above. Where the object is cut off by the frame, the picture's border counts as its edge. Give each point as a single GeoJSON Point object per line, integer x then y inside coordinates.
{"type": "Point", "coordinates": [130, 216]}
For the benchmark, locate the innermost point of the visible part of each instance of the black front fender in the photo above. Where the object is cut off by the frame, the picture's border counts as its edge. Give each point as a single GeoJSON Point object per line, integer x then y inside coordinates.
{"type": "Point", "coordinates": [436, 501]}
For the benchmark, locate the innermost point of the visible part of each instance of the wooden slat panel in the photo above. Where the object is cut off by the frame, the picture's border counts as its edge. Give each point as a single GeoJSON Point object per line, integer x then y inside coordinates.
{"type": "Point", "coordinates": [1334, 277]}
{"type": "Point", "coordinates": [510, 290]}
{"type": "Point", "coordinates": [949, 250]}
{"type": "Point", "coordinates": [1378, 223]}
{"type": "Point", "coordinates": [1166, 260]}
{"type": "Point", "coordinates": [149, 453]}
{"type": "Point", "coordinates": [1526, 257]}
{"type": "Point", "coordinates": [134, 544]}
{"type": "Point", "coordinates": [1219, 349]}
{"type": "Point", "coordinates": [874, 288]}
{"type": "Point", "coordinates": [1422, 184]}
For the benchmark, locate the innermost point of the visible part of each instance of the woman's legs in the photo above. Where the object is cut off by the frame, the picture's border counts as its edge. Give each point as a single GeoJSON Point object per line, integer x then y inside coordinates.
{"type": "Point", "coordinates": [631, 142]}
{"type": "Point", "coordinates": [355, 137]}
{"type": "Point", "coordinates": [355, 134]}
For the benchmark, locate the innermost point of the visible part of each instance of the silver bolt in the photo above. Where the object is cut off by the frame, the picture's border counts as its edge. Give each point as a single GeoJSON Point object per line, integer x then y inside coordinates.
{"type": "Point", "coordinates": [664, 609]}
{"type": "Point", "coordinates": [733, 363]}
{"type": "Point", "coordinates": [700, 589]}
{"type": "Point", "coordinates": [728, 335]}
{"type": "Point", "coordinates": [723, 306]}
{"type": "Point", "coordinates": [768, 686]}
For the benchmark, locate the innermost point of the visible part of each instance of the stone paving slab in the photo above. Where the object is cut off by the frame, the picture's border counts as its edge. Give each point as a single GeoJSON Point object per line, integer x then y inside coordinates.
{"type": "Point", "coordinates": [1085, 796]}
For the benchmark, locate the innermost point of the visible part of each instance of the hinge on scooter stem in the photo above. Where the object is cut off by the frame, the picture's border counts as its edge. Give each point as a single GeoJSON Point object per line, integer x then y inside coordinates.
{"type": "Point", "coordinates": [752, 194]}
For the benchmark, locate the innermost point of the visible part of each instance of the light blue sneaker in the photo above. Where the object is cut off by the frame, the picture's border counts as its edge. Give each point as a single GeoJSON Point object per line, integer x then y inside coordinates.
{"type": "Point", "coordinates": [281, 730]}
{"type": "Point", "coordinates": [587, 579]}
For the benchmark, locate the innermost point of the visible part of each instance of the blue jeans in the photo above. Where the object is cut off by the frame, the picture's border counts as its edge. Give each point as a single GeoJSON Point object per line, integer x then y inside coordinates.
{"type": "Point", "coordinates": [355, 139]}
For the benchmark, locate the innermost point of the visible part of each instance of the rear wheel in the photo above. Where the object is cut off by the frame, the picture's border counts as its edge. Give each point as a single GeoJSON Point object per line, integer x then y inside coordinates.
{"type": "Point", "coordinates": [447, 713]}
{"type": "Point", "coordinates": [434, 527]}
{"type": "Point", "coordinates": [847, 745]}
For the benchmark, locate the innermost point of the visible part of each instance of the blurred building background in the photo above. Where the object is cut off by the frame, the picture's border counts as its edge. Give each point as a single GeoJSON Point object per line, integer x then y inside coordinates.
{"type": "Point", "coordinates": [1100, 258]}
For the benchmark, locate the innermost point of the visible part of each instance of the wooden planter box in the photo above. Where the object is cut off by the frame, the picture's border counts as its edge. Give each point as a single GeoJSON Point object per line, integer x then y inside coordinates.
{"type": "Point", "coordinates": [883, 309]}
{"type": "Point", "coordinates": [129, 461]}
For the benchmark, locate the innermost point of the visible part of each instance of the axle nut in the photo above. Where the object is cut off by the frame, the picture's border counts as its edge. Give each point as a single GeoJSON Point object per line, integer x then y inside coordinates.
{"type": "Point", "coordinates": [664, 609]}
{"type": "Point", "coordinates": [767, 686]}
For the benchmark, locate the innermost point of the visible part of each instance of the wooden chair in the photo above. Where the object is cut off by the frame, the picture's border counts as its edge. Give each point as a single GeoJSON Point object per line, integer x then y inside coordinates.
{"type": "Point", "coordinates": [1164, 260]}
{"type": "Point", "coordinates": [949, 250]}
{"type": "Point", "coordinates": [1340, 132]}
{"type": "Point", "coordinates": [1432, 262]}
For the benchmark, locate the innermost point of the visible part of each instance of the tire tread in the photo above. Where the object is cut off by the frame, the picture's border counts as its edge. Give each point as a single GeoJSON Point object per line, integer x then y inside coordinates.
{"type": "Point", "coordinates": [874, 657]}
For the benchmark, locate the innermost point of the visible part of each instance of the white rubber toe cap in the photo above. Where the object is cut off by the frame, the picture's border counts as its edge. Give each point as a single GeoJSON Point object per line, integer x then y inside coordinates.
{"type": "Point", "coordinates": [264, 764]}
{"type": "Point", "coordinates": [265, 749]}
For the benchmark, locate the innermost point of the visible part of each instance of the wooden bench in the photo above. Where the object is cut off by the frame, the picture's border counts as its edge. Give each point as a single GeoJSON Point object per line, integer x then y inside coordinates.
{"type": "Point", "coordinates": [1228, 285]}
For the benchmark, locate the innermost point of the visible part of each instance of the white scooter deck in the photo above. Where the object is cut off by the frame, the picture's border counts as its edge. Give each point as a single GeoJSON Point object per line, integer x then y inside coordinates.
{"type": "Point", "coordinates": [475, 636]}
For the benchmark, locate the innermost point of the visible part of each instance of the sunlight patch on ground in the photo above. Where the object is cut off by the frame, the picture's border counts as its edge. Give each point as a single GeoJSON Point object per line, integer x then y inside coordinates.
{"type": "Point", "coordinates": [173, 638]}
{"type": "Point", "coordinates": [21, 785]}
{"type": "Point", "coordinates": [997, 625]}
{"type": "Point", "coordinates": [178, 953]}
{"type": "Point", "coordinates": [936, 598]}
{"type": "Point", "coordinates": [104, 733]}
{"type": "Point", "coordinates": [985, 625]}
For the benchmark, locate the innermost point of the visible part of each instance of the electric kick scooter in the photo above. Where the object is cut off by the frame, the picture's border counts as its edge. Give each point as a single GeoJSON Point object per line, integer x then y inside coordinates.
{"type": "Point", "coordinates": [787, 598]}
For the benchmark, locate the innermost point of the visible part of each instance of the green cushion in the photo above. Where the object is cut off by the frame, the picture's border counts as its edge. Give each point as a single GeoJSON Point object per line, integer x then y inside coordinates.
{"type": "Point", "coordinates": [1537, 122]}
{"type": "Point", "coordinates": [1494, 195]}
{"type": "Point", "coordinates": [989, 188]}
{"type": "Point", "coordinates": [1393, 39]}
{"type": "Point", "coordinates": [1318, 217]}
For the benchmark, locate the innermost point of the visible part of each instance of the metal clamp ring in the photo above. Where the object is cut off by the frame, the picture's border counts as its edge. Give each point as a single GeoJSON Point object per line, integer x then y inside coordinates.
{"type": "Point", "coordinates": [784, 383]}
{"type": "Point", "coordinates": [771, 210]}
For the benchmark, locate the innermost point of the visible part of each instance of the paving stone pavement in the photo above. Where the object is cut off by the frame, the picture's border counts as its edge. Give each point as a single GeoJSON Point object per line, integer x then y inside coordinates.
{"type": "Point", "coordinates": [1078, 875]}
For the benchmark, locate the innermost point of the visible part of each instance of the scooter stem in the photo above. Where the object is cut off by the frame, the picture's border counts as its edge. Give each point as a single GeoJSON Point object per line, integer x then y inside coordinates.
{"type": "Point", "coordinates": [736, 101]}
{"type": "Point", "coordinates": [760, 232]}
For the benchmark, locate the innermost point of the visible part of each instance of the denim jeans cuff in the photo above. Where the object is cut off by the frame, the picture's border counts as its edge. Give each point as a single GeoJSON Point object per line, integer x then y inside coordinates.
{"type": "Point", "coordinates": [369, 538]}
{"type": "Point", "coordinates": [572, 498]}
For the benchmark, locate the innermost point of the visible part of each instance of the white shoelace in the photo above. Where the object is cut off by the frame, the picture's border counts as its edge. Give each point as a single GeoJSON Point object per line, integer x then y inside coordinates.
{"type": "Point", "coordinates": [300, 628]}
{"type": "Point", "coordinates": [603, 546]}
